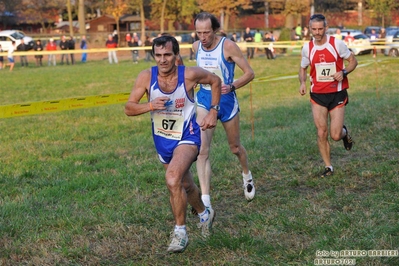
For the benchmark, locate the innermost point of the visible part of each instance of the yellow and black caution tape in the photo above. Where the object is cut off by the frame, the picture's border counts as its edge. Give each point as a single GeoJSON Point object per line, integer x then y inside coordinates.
{"type": "Point", "coordinates": [43, 107]}
{"type": "Point", "coordinates": [242, 45]}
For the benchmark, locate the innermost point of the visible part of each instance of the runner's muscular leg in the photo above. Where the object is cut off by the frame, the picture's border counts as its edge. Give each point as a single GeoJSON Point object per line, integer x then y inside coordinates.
{"type": "Point", "coordinates": [320, 118]}
{"type": "Point", "coordinates": [232, 128]}
{"type": "Point", "coordinates": [337, 115]}
{"type": "Point", "coordinates": [183, 156]}
{"type": "Point", "coordinates": [204, 170]}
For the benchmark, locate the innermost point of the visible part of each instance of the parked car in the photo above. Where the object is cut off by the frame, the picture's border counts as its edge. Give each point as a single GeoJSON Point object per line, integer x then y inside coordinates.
{"type": "Point", "coordinates": [368, 30]}
{"type": "Point", "coordinates": [392, 41]}
{"type": "Point", "coordinates": [361, 44]}
{"type": "Point", "coordinates": [7, 36]}
{"type": "Point", "coordinates": [390, 32]}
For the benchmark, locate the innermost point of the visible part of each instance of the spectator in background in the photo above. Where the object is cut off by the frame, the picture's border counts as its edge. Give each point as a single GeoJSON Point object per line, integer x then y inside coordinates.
{"type": "Point", "coordinates": [128, 38]}
{"type": "Point", "coordinates": [135, 43]}
{"type": "Point", "coordinates": [293, 35]}
{"type": "Point", "coordinates": [51, 46]}
{"type": "Point", "coordinates": [83, 46]}
{"type": "Point", "coordinates": [349, 39]}
{"type": "Point", "coordinates": [1, 58]}
{"type": "Point", "coordinates": [22, 47]}
{"type": "Point", "coordinates": [373, 39]}
{"type": "Point", "coordinates": [338, 35]}
{"type": "Point", "coordinates": [71, 46]}
{"type": "Point", "coordinates": [148, 52]}
{"type": "Point", "coordinates": [10, 55]}
{"type": "Point", "coordinates": [64, 45]}
{"type": "Point", "coordinates": [258, 39]}
{"type": "Point", "coordinates": [111, 44]}
{"type": "Point", "coordinates": [38, 57]}
{"type": "Point", "coordinates": [269, 50]}
{"type": "Point", "coordinates": [249, 38]}
{"type": "Point", "coordinates": [298, 32]}
{"type": "Point", "coordinates": [306, 34]}
{"type": "Point", "coordinates": [115, 37]}
{"type": "Point", "coordinates": [193, 38]}
{"type": "Point", "coordinates": [234, 37]}
{"type": "Point", "coordinates": [382, 37]}
{"type": "Point", "coordinates": [222, 33]}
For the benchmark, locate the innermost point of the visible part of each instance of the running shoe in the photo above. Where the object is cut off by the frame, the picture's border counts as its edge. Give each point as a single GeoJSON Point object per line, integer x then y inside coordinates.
{"type": "Point", "coordinates": [348, 142]}
{"type": "Point", "coordinates": [178, 243]}
{"type": "Point", "coordinates": [206, 227]}
{"type": "Point", "coordinates": [249, 188]}
{"type": "Point", "coordinates": [327, 172]}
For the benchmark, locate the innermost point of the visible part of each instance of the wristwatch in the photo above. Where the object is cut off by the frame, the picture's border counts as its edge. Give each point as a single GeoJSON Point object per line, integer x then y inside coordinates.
{"type": "Point", "coordinates": [232, 87]}
{"type": "Point", "coordinates": [216, 107]}
{"type": "Point", "coordinates": [344, 72]}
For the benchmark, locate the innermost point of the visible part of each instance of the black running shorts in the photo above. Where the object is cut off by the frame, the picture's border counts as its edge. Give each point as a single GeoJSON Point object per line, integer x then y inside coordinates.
{"type": "Point", "coordinates": [330, 100]}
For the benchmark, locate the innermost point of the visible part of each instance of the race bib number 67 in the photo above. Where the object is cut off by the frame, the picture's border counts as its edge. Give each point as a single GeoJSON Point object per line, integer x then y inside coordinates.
{"type": "Point", "coordinates": [168, 124]}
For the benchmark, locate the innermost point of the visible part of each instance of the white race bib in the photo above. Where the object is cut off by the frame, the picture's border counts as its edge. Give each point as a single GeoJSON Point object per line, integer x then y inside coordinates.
{"type": "Point", "coordinates": [168, 124]}
{"type": "Point", "coordinates": [325, 71]}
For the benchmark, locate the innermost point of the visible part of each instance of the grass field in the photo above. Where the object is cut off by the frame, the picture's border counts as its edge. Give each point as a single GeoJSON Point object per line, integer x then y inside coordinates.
{"type": "Point", "coordinates": [84, 187]}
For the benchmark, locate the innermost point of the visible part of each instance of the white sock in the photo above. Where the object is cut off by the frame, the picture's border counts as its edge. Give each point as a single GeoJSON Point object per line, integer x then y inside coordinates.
{"type": "Point", "coordinates": [248, 176]}
{"type": "Point", "coordinates": [204, 216]}
{"type": "Point", "coordinates": [180, 228]}
{"type": "Point", "coordinates": [332, 169]}
{"type": "Point", "coordinates": [206, 199]}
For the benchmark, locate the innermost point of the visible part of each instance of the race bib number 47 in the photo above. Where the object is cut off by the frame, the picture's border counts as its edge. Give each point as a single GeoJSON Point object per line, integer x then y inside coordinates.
{"type": "Point", "coordinates": [325, 71]}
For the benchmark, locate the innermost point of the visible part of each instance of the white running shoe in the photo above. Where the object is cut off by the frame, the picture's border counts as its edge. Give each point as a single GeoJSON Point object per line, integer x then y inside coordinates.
{"type": "Point", "coordinates": [206, 227]}
{"type": "Point", "coordinates": [249, 187]}
{"type": "Point", "coordinates": [179, 242]}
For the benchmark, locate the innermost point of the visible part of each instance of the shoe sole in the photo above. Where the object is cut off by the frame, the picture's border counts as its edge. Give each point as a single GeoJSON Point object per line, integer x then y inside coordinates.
{"type": "Point", "coordinates": [347, 144]}
{"type": "Point", "coordinates": [178, 251]}
{"type": "Point", "coordinates": [248, 197]}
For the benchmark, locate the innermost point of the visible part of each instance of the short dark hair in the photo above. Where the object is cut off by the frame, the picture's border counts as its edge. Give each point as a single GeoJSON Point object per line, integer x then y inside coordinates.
{"type": "Point", "coordinates": [204, 16]}
{"type": "Point", "coordinates": [318, 18]}
{"type": "Point", "coordinates": [161, 41]}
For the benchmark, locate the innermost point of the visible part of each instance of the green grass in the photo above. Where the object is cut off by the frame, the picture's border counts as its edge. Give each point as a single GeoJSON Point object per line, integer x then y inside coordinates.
{"type": "Point", "coordinates": [84, 187]}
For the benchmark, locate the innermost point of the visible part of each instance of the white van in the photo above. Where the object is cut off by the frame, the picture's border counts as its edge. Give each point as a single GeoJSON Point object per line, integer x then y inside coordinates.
{"type": "Point", "coordinates": [7, 36]}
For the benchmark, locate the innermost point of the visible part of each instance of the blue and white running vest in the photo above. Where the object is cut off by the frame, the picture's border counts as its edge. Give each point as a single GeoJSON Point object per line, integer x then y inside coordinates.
{"type": "Point", "coordinates": [177, 123]}
{"type": "Point", "coordinates": [215, 62]}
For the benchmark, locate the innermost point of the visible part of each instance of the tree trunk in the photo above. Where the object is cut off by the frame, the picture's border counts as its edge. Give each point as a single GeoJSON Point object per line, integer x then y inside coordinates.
{"type": "Point", "coordinates": [81, 18]}
{"type": "Point", "coordinates": [70, 17]}
{"type": "Point", "coordinates": [142, 19]}
{"type": "Point", "coordinates": [290, 21]}
{"type": "Point", "coordinates": [226, 22]}
{"type": "Point", "coordinates": [162, 24]}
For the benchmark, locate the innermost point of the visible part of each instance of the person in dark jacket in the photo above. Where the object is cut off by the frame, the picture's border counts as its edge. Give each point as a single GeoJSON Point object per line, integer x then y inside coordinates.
{"type": "Point", "coordinates": [193, 39]}
{"type": "Point", "coordinates": [39, 57]}
{"type": "Point", "coordinates": [64, 45]}
{"type": "Point", "coordinates": [71, 46]}
{"type": "Point", "coordinates": [23, 47]}
{"type": "Point", "coordinates": [148, 52]}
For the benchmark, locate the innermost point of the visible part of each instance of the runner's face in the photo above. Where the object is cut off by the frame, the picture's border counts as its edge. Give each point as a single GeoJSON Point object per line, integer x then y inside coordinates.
{"type": "Point", "coordinates": [165, 57]}
{"type": "Point", "coordinates": [318, 30]}
{"type": "Point", "coordinates": [205, 32]}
